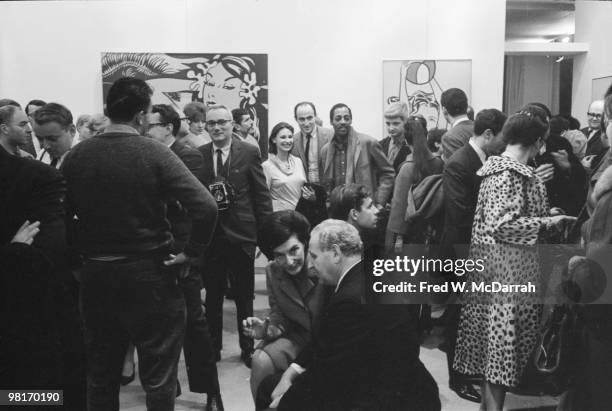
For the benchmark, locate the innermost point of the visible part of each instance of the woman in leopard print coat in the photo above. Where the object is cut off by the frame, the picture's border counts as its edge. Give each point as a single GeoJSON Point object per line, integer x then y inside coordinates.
{"type": "Point", "coordinates": [497, 332]}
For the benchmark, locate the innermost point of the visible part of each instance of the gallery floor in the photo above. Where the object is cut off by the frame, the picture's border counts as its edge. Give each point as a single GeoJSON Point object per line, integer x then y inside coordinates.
{"type": "Point", "coordinates": [234, 376]}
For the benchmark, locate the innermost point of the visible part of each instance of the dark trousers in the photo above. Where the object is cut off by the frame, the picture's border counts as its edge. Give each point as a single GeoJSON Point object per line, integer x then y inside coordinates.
{"type": "Point", "coordinates": [137, 300]}
{"type": "Point", "coordinates": [198, 348]}
{"type": "Point", "coordinates": [221, 258]}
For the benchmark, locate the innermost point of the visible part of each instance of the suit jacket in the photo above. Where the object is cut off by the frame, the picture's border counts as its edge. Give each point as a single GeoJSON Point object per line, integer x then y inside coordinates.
{"type": "Point", "coordinates": [252, 199]}
{"type": "Point", "coordinates": [456, 137]}
{"type": "Point", "coordinates": [595, 145]}
{"type": "Point", "coordinates": [461, 185]}
{"type": "Point", "coordinates": [363, 356]}
{"type": "Point", "coordinates": [294, 303]}
{"type": "Point", "coordinates": [401, 155]}
{"type": "Point", "coordinates": [180, 223]}
{"type": "Point", "coordinates": [567, 189]}
{"type": "Point", "coordinates": [367, 164]}
{"type": "Point", "coordinates": [31, 190]}
{"type": "Point", "coordinates": [324, 135]}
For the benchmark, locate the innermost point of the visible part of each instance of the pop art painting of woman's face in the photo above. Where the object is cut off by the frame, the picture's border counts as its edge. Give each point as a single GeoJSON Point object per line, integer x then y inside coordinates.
{"type": "Point", "coordinates": [233, 80]}
{"type": "Point", "coordinates": [420, 83]}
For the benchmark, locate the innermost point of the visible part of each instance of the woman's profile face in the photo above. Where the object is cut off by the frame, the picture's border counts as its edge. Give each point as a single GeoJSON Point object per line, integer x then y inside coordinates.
{"type": "Point", "coordinates": [221, 87]}
{"type": "Point", "coordinates": [290, 255]}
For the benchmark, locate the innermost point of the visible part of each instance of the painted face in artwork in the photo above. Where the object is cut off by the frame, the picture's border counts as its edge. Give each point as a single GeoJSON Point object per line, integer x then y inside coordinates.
{"type": "Point", "coordinates": [221, 87]}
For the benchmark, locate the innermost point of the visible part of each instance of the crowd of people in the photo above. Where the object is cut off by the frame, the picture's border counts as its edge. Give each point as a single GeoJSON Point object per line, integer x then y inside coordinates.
{"type": "Point", "coordinates": [114, 224]}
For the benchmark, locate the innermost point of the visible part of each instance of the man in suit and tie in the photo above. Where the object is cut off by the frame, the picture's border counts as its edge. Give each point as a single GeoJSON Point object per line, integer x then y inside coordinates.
{"type": "Point", "coordinates": [461, 185]}
{"type": "Point", "coordinates": [395, 145]}
{"type": "Point", "coordinates": [164, 124]}
{"type": "Point", "coordinates": [454, 107]}
{"type": "Point", "coordinates": [363, 356]}
{"type": "Point", "coordinates": [54, 128]}
{"type": "Point", "coordinates": [308, 142]}
{"type": "Point", "coordinates": [596, 146]}
{"type": "Point", "coordinates": [234, 175]}
{"type": "Point", "coordinates": [352, 157]}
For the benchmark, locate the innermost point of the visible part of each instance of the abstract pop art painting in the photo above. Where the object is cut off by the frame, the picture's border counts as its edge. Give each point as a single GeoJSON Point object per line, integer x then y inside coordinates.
{"type": "Point", "coordinates": [235, 80]}
{"type": "Point", "coordinates": [420, 83]}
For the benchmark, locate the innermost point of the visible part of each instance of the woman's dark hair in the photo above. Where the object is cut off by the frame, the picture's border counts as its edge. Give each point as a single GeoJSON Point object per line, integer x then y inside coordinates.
{"type": "Point", "coordinates": [278, 227]}
{"type": "Point", "coordinates": [421, 155]}
{"type": "Point", "coordinates": [275, 130]}
{"type": "Point", "coordinates": [558, 124]}
{"type": "Point", "coordinates": [434, 136]}
{"type": "Point", "coordinates": [420, 119]}
{"type": "Point", "coordinates": [524, 128]}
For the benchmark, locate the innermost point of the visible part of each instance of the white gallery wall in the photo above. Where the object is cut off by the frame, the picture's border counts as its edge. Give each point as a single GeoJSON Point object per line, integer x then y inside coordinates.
{"type": "Point", "coordinates": [326, 51]}
{"type": "Point", "coordinates": [592, 26]}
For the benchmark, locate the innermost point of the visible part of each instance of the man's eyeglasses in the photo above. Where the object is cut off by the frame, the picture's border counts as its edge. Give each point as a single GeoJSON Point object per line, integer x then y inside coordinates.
{"type": "Point", "coordinates": [594, 115]}
{"type": "Point", "coordinates": [220, 123]}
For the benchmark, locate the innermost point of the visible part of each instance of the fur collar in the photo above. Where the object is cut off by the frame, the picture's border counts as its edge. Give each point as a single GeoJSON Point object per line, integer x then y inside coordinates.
{"type": "Point", "coordinates": [498, 164]}
{"type": "Point", "coordinates": [603, 185]}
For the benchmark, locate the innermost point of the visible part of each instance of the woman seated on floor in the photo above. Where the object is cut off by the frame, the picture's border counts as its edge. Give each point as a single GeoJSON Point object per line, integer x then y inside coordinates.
{"type": "Point", "coordinates": [295, 298]}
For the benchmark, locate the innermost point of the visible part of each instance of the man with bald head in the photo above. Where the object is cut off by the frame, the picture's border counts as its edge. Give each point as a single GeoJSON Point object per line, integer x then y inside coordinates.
{"type": "Point", "coordinates": [595, 143]}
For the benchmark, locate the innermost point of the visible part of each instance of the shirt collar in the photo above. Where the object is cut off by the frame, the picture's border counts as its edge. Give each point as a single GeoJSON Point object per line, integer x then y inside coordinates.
{"type": "Point", "coordinates": [481, 154]}
{"type": "Point", "coordinates": [224, 150]}
{"type": "Point", "coordinates": [349, 268]}
{"type": "Point", "coordinates": [172, 141]}
{"type": "Point", "coordinates": [460, 120]}
{"type": "Point", "coordinates": [120, 128]}
{"type": "Point", "coordinates": [340, 145]}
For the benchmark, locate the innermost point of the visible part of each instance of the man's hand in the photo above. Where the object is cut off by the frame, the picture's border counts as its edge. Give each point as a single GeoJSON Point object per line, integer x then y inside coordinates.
{"type": "Point", "coordinates": [26, 233]}
{"type": "Point", "coordinates": [254, 327]}
{"type": "Point", "coordinates": [308, 194]}
{"type": "Point", "coordinates": [545, 172]}
{"type": "Point", "coordinates": [180, 258]}
{"type": "Point", "coordinates": [561, 159]}
{"type": "Point", "coordinates": [283, 385]}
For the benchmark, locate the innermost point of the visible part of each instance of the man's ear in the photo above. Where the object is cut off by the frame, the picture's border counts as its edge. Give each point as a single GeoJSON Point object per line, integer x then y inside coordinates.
{"type": "Point", "coordinates": [353, 214]}
{"type": "Point", "coordinates": [336, 253]}
{"type": "Point", "coordinates": [72, 130]}
{"type": "Point", "coordinates": [4, 128]}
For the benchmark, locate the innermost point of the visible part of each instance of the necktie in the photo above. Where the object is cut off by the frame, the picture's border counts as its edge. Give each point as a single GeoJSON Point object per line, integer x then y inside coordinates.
{"type": "Point", "coordinates": [307, 149]}
{"type": "Point", "coordinates": [54, 162]}
{"type": "Point", "coordinates": [219, 162]}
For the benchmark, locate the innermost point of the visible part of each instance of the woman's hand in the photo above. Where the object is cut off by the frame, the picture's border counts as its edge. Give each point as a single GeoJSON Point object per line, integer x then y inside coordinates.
{"type": "Point", "coordinates": [545, 172]}
{"type": "Point", "coordinates": [556, 211]}
{"type": "Point", "coordinates": [26, 233]}
{"type": "Point", "coordinates": [558, 221]}
{"type": "Point", "coordinates": [308, 194]}
{"type": "Point", "coordinates": [254, 327]}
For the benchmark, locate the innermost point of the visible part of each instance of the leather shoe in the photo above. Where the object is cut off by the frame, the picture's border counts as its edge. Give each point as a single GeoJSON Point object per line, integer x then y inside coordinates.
{"type": "Point", "coordinates": [214, 403]}
{"type": "Point", "coordinates": [247, 358]}
{"type": "Point", "coordinates": [466, 391]}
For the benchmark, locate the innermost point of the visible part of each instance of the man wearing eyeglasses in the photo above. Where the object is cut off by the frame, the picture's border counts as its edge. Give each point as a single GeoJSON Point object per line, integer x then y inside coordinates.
{"type": "Point", "coordinates": [595, 144]}
{"type": "Point", "coordinates": [233, 173]}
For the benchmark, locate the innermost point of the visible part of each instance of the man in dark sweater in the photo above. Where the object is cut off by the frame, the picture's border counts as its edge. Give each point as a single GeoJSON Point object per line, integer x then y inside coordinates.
{"type": "Point", "coordinates": [119, 183]}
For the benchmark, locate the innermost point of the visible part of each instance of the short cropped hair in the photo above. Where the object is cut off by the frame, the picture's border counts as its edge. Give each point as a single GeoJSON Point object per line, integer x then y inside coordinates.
{"type": "Point", "coordinates": [340, 233]}
{"type": "Point", "coordinates": [275, 130]}
{"type": "Point", "coordinates": [9, 102]}
{"type": "Point", "coordinates": [337, 106]}
{"type": "Point", "coordinates": [434, 136]}
{"type": "Point", "coordinates": [37, 103]}
{"type": "Point", "coordinates": [541, 106]}
{"type": "Point", "coordinates": [195, 111]}
{"type": "Point", "coordinates": [219, 107]}
{"type": "Point", "coordinates": [277, 227]}
{"type": "Point", "coordinates": [454, 100]}
{"type": "Point", "coordinates": [489, 119]}
{"type": "Point", "coordinates": [7, 112]}
{"type": "Point", "coordinates": [237, 114]}
{"type": "Point", "coordinates": [53, 113]}
{"type": "Point", "coordinates": [127, 97]}
{"type": "Point", "coordinates": [346, 197]}
{"type": "Point", "coordinates": [397, 109]}
{"type": "Point", "coordinates": [304, 103]}
{"type": "Point", "coordinates": [167, 115]}
{"type": "Point", "coordinates": [524, 128]}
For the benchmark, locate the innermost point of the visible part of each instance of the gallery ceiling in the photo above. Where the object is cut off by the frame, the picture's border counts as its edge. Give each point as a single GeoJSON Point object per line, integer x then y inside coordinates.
{"type": "Point", "coordinates": [539, 20]}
